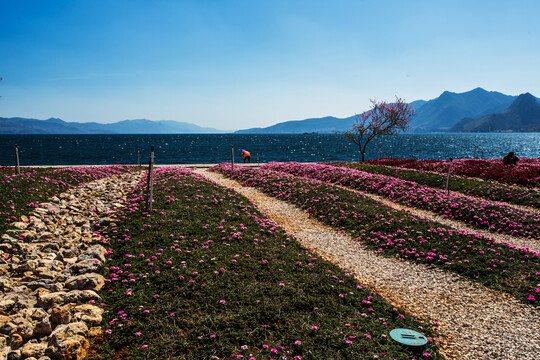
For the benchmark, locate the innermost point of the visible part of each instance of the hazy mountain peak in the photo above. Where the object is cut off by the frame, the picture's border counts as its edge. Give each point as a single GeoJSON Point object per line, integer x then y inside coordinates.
{"type": "Point", "coordinates": [523, 114]}
{"type": "Point", "coordinates": [441, 113]}
{"type": "Point", "coordinates": [476, 90]}
{"type": "Point", "coordinates": [55, 120]}
{"type": "Point", "coordinates": [446, 94]}
{"type": "Point", "coordinates": [524, 99]}
{"type": "Point", "coordinates": [525, 106]}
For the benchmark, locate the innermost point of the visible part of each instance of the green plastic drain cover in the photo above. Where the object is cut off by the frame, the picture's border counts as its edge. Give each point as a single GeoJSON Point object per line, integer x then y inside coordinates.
{"type": "Point", "coordinates": [408, 337]}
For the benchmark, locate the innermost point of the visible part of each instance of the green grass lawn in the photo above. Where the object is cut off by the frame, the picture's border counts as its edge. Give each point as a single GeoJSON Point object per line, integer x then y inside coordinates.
{"type": "Point", "coordinates": [207, 276]}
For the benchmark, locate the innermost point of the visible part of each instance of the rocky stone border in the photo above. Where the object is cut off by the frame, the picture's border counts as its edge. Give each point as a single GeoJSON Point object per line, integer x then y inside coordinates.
{"type": "Point", "coordinates": [48, 267]}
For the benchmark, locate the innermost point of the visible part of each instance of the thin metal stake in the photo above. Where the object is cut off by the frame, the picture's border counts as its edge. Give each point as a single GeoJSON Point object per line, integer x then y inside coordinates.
{"type": "Point", "coordinates": [17, 159]}
{"type": "Point", "coordinates": [448, 177]}
{"type": "Point", "coordinates": [150, 184]}
{"type": "Point", "coordinates": [232, 159]}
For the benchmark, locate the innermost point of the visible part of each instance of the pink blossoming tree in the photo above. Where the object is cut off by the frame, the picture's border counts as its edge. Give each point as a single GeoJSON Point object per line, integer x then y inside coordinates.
{"type": "Point", "coordinates": [382, 119]}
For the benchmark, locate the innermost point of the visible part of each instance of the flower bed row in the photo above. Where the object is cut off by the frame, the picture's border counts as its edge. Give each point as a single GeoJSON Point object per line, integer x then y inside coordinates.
{"type": "Point", "coordinates": [472, 187]}
{"type": "Point", "coordinates": [398, 233]}
{"type": "Point", "coordinates": [207, 276]}
{"type": "Point", "coordinates": [480, 214]}
{"type": "Point", "coordinates": [526, 172]}
{"type": "Point", "coordinates": [21, 193]}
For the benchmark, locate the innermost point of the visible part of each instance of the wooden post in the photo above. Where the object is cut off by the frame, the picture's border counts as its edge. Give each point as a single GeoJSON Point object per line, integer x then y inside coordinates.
{"type": "Point", "coordinates": [448, 177]}
{"type": "Point", "coordinates": [232, 158]}
{"type": "Point", "coordinates": [139, 158]}
{"type": "Point", "coordinates": [17, 159]}
{"type": "Point", "coordinates": [150, 182]}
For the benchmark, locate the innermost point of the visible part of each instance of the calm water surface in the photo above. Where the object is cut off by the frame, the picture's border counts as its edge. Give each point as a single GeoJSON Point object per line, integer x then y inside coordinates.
{"type": "Point", "coordinates": [216, 148]}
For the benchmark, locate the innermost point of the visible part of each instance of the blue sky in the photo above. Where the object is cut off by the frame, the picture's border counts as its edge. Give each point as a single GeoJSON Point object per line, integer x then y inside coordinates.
{"type": "Point", "coordinates": [233, 64]}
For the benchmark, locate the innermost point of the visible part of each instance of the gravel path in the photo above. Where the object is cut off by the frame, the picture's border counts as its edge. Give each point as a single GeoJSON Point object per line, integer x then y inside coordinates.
{"type": "Point", "coordinates": [475, 322]}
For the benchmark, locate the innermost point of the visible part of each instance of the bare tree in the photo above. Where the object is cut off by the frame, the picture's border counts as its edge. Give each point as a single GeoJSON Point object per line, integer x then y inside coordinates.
{"type": "Point", "coordinates": [382, 119]}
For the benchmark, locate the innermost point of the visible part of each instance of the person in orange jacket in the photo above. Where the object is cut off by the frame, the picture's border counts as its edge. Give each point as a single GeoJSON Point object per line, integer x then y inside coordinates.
{"type": "Point", "coordinates": [246, 155]}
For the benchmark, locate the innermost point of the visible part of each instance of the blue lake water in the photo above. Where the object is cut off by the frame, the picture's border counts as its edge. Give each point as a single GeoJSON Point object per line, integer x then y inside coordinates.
{"type": "Point", "coordinates": [216, 148]}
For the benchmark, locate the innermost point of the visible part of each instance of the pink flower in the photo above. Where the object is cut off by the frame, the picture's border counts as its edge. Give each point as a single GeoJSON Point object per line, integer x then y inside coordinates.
{"type": "Point", "coordinates": [222, 301]}
{"type": "Point", "coordinates": [314, 327]}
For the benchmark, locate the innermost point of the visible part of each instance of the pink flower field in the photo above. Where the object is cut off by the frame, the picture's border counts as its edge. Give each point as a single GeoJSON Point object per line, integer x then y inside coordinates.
{"type": "Point", "coordinates": [395, 233]}
{"type": "Point", "coordinates": [498, 218]}
{"type": "Point", "coordinates": [526, 172]}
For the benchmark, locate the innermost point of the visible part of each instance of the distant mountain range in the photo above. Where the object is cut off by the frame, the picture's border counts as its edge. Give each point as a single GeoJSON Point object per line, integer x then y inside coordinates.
{"type": "Point", "coordinates": [327, 124]}
{"type": "Point", "coordinates": [523, 115]}
{"type": "Point", "coordinates": [436, 115]}
{"type": "Point", "coordinates": [440, 114]}
{"type": "Point", "coordinates": [139, 126]}
{"type": "Point", "coordinates": [477, 110]}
